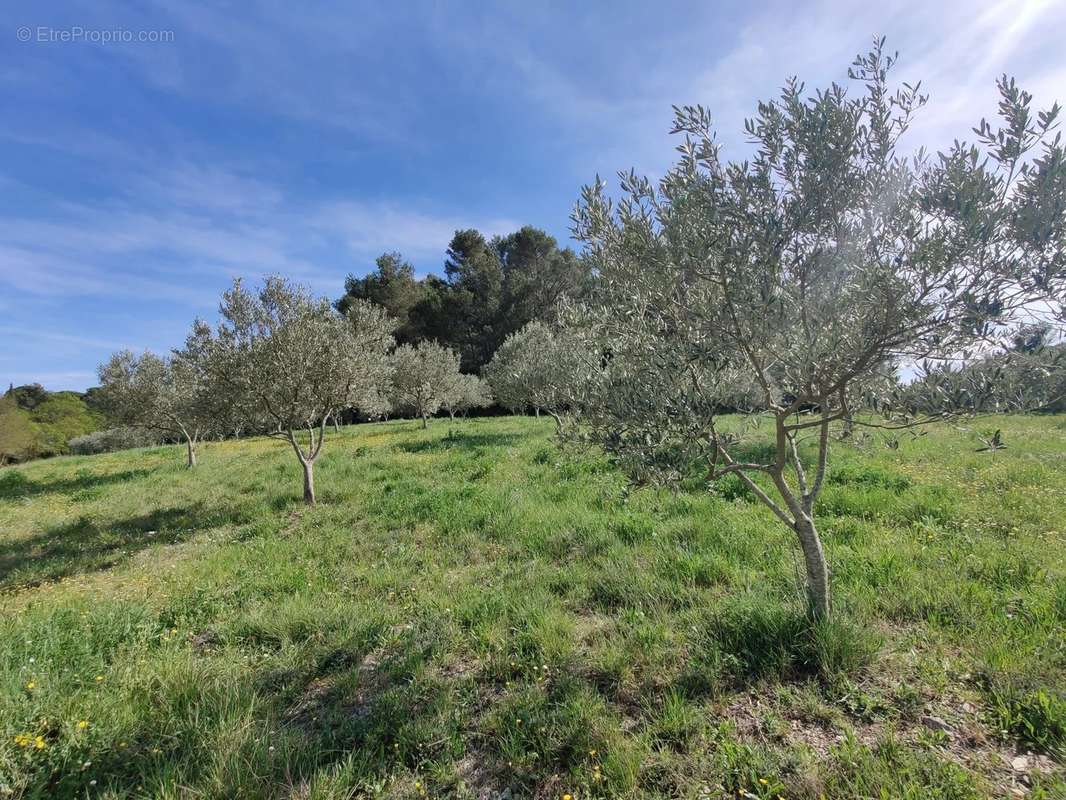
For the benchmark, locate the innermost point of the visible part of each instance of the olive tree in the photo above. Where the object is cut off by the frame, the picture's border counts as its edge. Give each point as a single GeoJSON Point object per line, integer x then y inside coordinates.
{"type": "Point", "coordinates": [291, 361]}
{"type": "Point", "coordinates": [423, 375]}
{"type": "Point", "coordinates": [170, 395]}
{"type": "Point", "coordinates": [466, 393]}
{"type": "Point", "coordinates": [541, 366]}
{"type": "Point", "coordinates": [806, 269]}
{"type": "Point", "coordinates": [375, 404]}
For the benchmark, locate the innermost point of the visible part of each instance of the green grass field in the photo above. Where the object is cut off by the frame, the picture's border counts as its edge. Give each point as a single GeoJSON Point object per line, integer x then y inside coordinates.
{"type": "Point", "coordinates": [471, 610]}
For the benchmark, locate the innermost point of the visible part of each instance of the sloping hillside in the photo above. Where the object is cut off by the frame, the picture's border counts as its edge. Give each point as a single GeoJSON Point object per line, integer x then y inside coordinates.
{"type": "Point", "coordinates": [470, 610]}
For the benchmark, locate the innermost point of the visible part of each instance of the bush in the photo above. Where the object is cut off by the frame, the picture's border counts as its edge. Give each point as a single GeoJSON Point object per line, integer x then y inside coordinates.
{"type": "Point", "coordinates": [12, 483]}
{"type": "Point", "coordinates": [111, 440]}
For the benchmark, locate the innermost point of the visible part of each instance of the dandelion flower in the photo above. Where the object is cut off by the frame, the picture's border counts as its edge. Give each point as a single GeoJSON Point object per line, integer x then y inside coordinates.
{"type": "Point", "coordinates": [39, 742]}
{"type": "Point", "coordinates": [567, 797]}
{"type": "Point", "coordinates": [99, 678]}
{"type": "Point", "coordinates": [31, 686]}
{"type": "Point", "coordinates": [83, 724]}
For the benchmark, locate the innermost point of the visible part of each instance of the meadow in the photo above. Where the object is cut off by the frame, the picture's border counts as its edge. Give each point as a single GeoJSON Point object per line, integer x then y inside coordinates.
{"type": "Point", "coordinates": [473, 612]}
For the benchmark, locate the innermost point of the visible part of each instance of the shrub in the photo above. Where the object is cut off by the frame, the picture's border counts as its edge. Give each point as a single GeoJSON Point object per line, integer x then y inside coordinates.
{"type": "Point", "coordinates": [110, 440]}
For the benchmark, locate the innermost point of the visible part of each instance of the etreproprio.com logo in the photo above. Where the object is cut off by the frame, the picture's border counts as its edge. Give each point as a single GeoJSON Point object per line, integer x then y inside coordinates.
{"type": "Point", "coordinates": [77, 33]}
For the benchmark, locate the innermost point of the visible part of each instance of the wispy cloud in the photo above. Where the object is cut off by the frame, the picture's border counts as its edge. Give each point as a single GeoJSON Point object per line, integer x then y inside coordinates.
{"type": "Point", "coordinates": [367, 228]}
{"type": "Point", "coordinates": [190, 226]}
{"type": "Point", "coordinates": [956, 52]}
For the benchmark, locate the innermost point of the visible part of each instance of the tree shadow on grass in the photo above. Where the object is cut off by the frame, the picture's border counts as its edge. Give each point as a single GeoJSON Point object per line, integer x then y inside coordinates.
{"type": "Point", "coordinates": [363, 707]}
{"type": "Point", "coordinates": [748, 642]}
{"type": "Point", "coordinates": [15, 484]}
{"type": "Point", "coordinates": [458, 440]}
{"type": "Point", "coordinates": [87, 545]}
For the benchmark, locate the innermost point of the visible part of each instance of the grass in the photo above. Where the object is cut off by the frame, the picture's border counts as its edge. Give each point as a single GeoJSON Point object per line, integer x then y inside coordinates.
{"type": "Point", "coordinates": [470, 610]}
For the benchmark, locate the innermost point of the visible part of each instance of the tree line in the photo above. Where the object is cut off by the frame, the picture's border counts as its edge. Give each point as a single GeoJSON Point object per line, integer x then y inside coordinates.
{"type": "Point", "coordinates": [490, 288]}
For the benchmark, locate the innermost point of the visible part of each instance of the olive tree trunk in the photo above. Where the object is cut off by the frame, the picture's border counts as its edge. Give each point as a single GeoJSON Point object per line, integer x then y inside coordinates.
{"type": "Point", "coordinates": [307, 459]}
{"type": "Point", "coordinates": [795, 506]}
{"type": "Point", "coordinates": [816, 567]}
{"type": "Point", "coordinates": [425, 424]}
{"type": "Point", "coordinates": [190, 446]}
{"type": "Point", "coordinates": [309, 481]}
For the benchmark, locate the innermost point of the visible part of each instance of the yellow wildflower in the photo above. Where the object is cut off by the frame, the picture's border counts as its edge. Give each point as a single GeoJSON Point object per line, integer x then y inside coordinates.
{"type": "Point", "coordinates": [39, 742]}
{"type": "Point", "coordinates": [83, 724]}
{"type": "Point", "coordinates": [31, 686]}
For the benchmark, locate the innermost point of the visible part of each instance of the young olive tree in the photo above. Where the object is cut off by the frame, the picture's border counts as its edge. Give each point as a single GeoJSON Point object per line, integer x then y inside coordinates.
{"type": "Point", "coordinates": [170, 396]}
{"type": "Point", "coordinates": [804, 271]}
{"type": "Point", "coordinates": [292, 361]}
{"type": "Point", "coordinates": [375, 404]}
{"type": "Point", "coordinates": [468, 392]}
{"type": "Point", "coordinates": [541, 366]}
{"type": "Point", "coordinates": [423, 376]}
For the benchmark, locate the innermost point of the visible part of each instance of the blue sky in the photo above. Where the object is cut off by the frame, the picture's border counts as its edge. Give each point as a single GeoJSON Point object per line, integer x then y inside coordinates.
{"type": "Point", "coordinates": [138, 178]}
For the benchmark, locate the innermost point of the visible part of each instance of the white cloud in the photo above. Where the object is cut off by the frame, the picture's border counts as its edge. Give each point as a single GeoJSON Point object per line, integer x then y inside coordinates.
{"type": "Point", "coordinates": [372, 228]}
{"type": "Point", "coordinates": [179, 233]}
{"type": "Point", "coordinates": [728, 65]}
